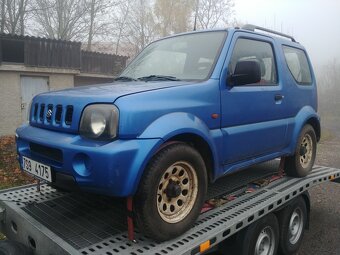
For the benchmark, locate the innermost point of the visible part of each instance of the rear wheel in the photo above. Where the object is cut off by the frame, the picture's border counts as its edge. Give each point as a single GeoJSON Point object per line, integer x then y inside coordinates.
{"type": "Point", "coordinates": [301, 163]}
{"type": "Point", "coordinates": [171, 192]}
{"type": "Point", "coordinates": [292, 221]}
{"type": "Point", "coordinates": [260, 238]}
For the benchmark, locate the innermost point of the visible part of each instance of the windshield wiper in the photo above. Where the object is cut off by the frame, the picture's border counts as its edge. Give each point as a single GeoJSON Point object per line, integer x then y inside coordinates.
{"type": "Point", "coordinates": [158, 78]}
{"type": "Point", "coordinates": [124, 78]}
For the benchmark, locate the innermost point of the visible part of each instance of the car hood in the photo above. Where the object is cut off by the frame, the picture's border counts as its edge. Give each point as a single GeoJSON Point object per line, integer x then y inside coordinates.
{"type": "Point", "coordinates": [61, 110]}
{"type": "Point", "coordinates": [109, 92]}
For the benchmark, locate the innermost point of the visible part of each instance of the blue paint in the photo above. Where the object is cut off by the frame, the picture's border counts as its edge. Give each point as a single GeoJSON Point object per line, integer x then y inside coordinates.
{"type": "Point", "coordinates": [251, 126]}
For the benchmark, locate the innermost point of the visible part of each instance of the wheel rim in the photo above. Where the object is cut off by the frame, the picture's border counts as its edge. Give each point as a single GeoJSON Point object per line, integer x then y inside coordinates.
{"type": "Point", "coordinates": [265, 244]}
{"type": "Point", "coordinates": [295, 226]}
{"type": "Point", "coordinates": [177, 192]}
{"type": "Point", "coordinates": [306, 151]}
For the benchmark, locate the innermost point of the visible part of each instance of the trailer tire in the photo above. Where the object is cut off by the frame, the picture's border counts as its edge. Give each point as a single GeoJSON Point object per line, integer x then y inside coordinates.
{"type": "Point", "coordinates": [171, 192]}
{"type": "Point", "coordinates": [13, 248]}
{"type": "Point", "coordinates": [261, 237]}
{"type": "Point", "coordinates": [301, 163]}
{"type": "Point", "coordinates": [292, 222]}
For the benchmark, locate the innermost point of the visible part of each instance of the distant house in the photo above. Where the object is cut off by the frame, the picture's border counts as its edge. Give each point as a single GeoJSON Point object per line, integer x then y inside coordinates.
{"type": "Point", "coordinates": [31, 65]}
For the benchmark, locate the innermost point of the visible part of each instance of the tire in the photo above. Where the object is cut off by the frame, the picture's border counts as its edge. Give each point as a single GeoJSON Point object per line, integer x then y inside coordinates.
{"type": "Point", "coordinates": [292, 222]}
{"type": "Point", "coordinates": [261, 237]}
{"type": "Point", "coordinates": [301, 163]}
{"type": "Point", "coordinates": [171, 192]}
{"type": "Point", "coordinates": [13, 248]}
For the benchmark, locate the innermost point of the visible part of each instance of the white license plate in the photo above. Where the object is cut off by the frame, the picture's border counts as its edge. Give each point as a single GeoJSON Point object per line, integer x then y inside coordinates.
{"type": "Point", "coordinates": [37, 169]}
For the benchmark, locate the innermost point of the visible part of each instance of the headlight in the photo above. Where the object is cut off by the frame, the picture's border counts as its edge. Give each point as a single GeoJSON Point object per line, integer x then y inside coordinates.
{"type": "Point", "coordinates": [99, 121]}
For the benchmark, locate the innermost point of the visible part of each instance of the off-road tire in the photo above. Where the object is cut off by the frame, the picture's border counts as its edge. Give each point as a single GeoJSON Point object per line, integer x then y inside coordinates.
{"type": "Point", "coordinates": [146, 205]}
{"type": "Point", "coordinates": [294, 167]}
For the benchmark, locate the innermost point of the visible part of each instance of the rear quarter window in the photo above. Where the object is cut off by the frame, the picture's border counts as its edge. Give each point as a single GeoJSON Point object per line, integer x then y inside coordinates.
{"type": "Point", "coordinates": [298, 65]}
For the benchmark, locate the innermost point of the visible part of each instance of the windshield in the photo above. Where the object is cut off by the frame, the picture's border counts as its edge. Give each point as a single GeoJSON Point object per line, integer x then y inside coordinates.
{"type": "Point", "coordinates": [184, 57]}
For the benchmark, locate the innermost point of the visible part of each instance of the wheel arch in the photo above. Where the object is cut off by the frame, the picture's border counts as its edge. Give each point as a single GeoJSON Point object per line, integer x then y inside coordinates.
{"type": "Point", "coordinates": [315, 123]}
{"type": "Point", "coordinates": [201, 145]}
{"type": "Point", "coordinates": [307, 115]}
{"type": "Point", "coordinates": [188, 128]}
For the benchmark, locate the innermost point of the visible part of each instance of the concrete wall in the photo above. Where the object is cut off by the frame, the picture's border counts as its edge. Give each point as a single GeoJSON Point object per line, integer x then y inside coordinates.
{"type": "Point", "coordinates": [83, 81]}
{"type": "Point", "coordinates": [10, 102]}
{"type": "Point", "coordinates": [10, 94]}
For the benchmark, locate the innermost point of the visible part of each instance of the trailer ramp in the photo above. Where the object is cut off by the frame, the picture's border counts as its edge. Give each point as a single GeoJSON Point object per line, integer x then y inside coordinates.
{"type": "Point", "coordinates": [54, 222]}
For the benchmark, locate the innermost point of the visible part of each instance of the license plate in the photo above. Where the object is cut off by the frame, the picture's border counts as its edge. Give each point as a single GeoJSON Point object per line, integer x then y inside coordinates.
{"type": "Point", "coordinates": [37, 169]}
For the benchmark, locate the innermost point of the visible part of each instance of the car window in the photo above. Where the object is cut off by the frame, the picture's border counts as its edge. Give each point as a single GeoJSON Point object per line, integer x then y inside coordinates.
{"type": "Point", "coordinates": [260, 51]}
{"type": "Point", "coordinates": [298, 65]}
{"type": "Point", "coordinates": [186, 57]}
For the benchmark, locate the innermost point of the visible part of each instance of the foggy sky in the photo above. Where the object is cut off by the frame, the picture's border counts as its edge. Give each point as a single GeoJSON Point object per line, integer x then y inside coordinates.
{"type": "Point", "coordinates": [313, 23]}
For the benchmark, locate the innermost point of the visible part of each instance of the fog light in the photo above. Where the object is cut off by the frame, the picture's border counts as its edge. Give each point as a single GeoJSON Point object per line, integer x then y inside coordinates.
{"type": "Point", "coordinates": [82, 164]}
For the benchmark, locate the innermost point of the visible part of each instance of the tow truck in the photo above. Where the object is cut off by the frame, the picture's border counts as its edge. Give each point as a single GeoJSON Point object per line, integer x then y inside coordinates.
{"type": "Point", "coordinates": [258, 211]}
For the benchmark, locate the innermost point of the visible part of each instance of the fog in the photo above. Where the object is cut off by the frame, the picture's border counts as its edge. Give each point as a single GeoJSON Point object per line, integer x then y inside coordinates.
{"type": "Point", "coordinates": [315, 24]}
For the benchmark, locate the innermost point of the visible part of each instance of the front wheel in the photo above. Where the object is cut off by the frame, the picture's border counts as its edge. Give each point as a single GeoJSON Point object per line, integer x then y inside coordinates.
{"type": "Point", "coordinates": [171, 192]}
{"type": "Point", "coordinates": [301, 163]}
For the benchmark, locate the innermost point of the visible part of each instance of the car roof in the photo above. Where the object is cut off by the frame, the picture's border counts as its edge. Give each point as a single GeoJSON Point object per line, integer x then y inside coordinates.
{"type": "Point", "coordinates": [277, 36]}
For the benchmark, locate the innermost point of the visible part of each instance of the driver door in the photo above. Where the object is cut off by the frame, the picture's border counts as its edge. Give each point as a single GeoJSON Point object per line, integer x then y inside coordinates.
{"type": "Point", "coordinates": [253, 115]}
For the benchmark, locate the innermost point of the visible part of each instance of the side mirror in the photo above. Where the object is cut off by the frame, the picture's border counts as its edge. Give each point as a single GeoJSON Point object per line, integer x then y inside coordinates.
{"type": "Point", "coordinates": [246, 72]}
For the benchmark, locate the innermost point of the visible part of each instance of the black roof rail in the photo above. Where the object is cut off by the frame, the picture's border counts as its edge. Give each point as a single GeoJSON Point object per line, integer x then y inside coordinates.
{"type": "Point", "coordinates": [253, 28]}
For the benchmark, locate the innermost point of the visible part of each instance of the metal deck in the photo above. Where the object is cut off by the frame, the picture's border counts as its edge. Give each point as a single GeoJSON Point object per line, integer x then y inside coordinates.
{"type": "Point", "coordinates": [62, 223]}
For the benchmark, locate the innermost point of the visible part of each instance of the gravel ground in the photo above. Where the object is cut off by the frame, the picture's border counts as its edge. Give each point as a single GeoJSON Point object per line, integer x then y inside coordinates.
{"type": "Point", "coordinates": [323, 237]}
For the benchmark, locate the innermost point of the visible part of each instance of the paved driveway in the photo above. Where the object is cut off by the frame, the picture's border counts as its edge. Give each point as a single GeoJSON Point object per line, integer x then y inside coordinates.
{"type": "Point", "coordinates": [323, 237]}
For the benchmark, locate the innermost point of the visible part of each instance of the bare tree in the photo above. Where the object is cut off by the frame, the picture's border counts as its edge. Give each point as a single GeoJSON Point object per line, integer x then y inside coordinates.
{"type": "Point", "coordinates": [97, 18]}
{"type": "Point", "coordinates": [13, 15]}
{"type": "Point", "coordinates": [59, 19]}
{"type": "Point", "coordinates": [141, 25]}
{"type": "Point", "coordinates": [212, 13]}
{"type": "Point", "coordinates": [3, 15]}
{"type": "Point", "coordinates": [173, 16]}
{"type": "Point", "coordinates": [120, 20]}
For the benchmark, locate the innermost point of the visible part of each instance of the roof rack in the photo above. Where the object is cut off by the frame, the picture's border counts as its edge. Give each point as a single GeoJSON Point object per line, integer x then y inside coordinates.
{"type": "Point", "coordinates": [253, 28]}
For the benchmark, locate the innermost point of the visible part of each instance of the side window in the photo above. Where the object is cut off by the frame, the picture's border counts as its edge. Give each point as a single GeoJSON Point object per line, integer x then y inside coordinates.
{"type": "Point", "coordinates": [260, 52]}
{"type": "Point", "coordinates": [298, 65]}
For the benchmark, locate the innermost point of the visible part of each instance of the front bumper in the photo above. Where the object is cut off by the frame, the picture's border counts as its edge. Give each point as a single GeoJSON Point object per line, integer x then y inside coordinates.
{"type": "Point", "coordinates": [111, 168]}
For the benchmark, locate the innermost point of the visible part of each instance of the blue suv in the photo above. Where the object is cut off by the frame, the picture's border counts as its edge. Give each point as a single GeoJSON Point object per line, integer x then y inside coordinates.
{"type": "Point", "coordinates": [188, 110]}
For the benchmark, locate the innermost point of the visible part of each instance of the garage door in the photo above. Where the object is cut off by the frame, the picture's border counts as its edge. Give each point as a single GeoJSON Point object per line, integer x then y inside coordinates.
{"type": "Point", "coordinates": [30, 87]}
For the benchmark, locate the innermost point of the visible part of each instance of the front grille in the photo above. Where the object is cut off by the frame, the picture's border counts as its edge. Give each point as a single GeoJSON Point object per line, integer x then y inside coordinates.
{"type": "Point", "coordinates": [53, 114]}
{"type": "Point", "coordinates": [69, 114]}
{"type": "Point", "coordinates": [58, 114]}
{"type": "Point", "coordinates": [47, 152]}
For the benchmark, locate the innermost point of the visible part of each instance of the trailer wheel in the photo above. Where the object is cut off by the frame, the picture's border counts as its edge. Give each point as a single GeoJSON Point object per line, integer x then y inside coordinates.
{"type": "Point", "coordinates": [171, 192]}
{"type": "Point", "coordinates": [13, 248]}
{"type": "Point", "coordinates": [292, 221]}
{"type": "Point", "coordinates": [260, 238]}
{"type": "Point", "coordinates": [301, 163]}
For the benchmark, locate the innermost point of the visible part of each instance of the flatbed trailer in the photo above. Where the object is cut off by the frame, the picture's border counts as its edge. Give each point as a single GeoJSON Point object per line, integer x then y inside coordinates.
{"type": "Point", "coordinates": [55, 222]}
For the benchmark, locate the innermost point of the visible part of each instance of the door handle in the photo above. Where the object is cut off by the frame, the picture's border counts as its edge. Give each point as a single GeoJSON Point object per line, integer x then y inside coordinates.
{"type": "Point", "coordinates": [279, 97]}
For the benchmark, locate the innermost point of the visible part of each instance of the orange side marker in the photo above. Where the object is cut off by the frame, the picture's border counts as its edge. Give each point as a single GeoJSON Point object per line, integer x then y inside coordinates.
{"type": "Point", "coordinates": [205, 246]}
